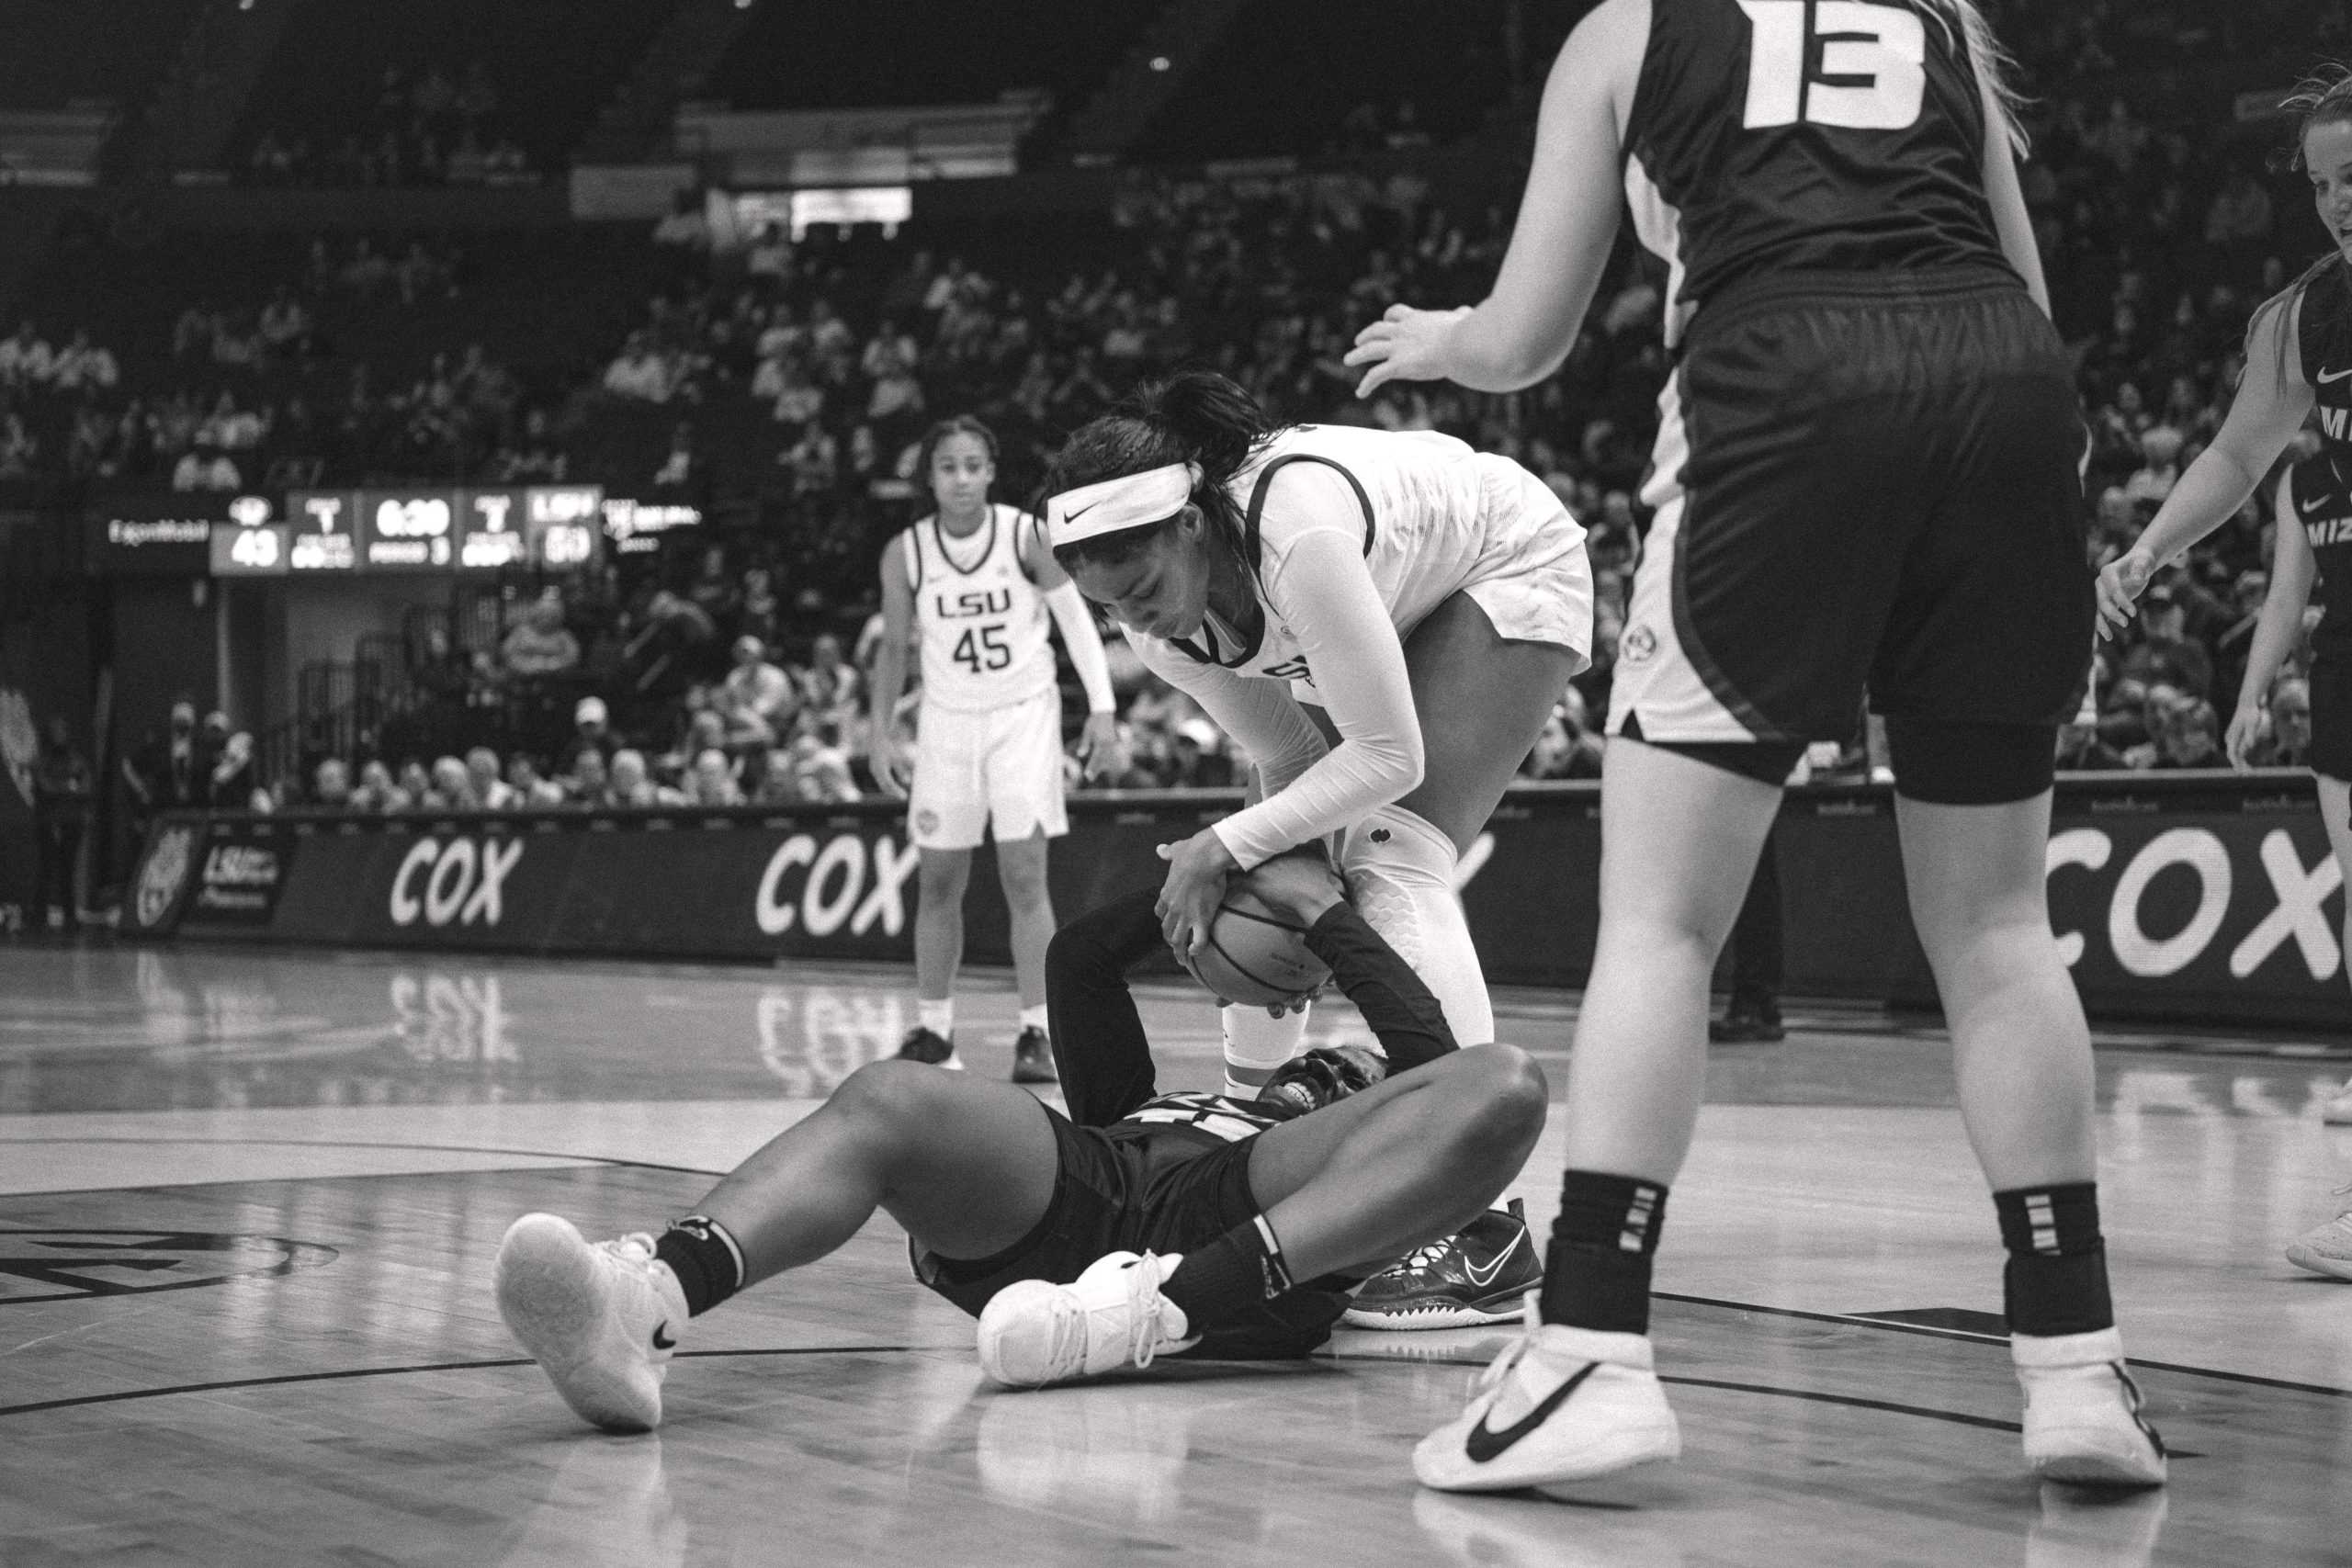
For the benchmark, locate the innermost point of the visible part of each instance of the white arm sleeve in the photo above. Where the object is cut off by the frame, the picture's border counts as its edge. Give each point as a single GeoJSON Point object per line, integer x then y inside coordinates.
{"type": "Point", "coordinates": [1324, 594]}
{"type": "Point", "coordinates": [1085, 644]}
{"type": "Point", "coordinates": [1283, 742]}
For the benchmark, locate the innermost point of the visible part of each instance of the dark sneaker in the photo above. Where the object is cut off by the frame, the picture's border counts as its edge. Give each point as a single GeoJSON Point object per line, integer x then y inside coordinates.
{"type": "Point", "coordinates": [929, 1047]}
{"type": "Point", "coordinates": [1033, 1058]}
{"type": "Point", "coordinates": [1743, 1028]}
{"type": "Point", "coordinates": [1477, 1277]}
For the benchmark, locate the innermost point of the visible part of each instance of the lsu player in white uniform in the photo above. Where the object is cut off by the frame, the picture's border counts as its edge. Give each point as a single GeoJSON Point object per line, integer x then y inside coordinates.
{"type": "Point", "coordinates": [1385, 620]}
{"type": "Point", "coordinates": [973, 584]}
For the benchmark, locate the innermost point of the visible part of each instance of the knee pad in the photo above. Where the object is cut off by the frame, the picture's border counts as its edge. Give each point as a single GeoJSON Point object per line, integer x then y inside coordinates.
{"type": "Point", "coordinates": [1399, 872]}
{"type": "Point", "coordinates": [1257, 1043]}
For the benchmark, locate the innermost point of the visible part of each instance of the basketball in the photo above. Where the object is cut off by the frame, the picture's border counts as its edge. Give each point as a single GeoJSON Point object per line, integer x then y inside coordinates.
{"type": "Point", "coordinates": [1254, 957]}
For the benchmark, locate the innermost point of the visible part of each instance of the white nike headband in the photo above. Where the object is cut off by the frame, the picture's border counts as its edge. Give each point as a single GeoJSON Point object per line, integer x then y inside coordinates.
{"type": "Point", "coordinates": [1128, 502]}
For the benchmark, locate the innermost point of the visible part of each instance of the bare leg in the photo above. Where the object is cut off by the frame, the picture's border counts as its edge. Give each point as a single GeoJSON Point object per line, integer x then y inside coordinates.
{"type": "Point", "coordinates": [1021, 868]}
{"type": "Point", "coordinates": [2335, 813]}
{"type": "Point", "coordinates": [1406, 1162]}
{"type": "Point", "coordinates": [939, 920]}
{"type": "Point", "coordinates": [1482, 702]}
{"type": "Point", "coordinates": [1678, 841]}
{"type": "Point", "coordinates": [2020, 1049]}
{"type": "Point", "coordinates": [966, 1166]}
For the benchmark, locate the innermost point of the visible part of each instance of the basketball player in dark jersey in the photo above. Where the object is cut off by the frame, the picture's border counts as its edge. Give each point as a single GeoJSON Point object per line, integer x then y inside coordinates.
{"type": "Point", "coordinates": [1142, 1224]}
{"type": "Point", "coordinates": [2298, 368]}
{"type": "Point", "coordinates": [1866, 480]}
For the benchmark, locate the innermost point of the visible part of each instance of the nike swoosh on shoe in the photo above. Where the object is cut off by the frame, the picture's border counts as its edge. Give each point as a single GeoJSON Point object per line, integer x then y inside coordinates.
{"type": "Point", "coordinates": [1485, 1446]}
{"type": "Point", "coordinates": [1484, 1279]}
{"type": "Point", "coordinates": [659, 1331]}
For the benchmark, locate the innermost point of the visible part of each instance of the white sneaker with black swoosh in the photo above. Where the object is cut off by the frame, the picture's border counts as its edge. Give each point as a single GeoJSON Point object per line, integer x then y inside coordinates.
{"type": "Point", "coordinates": [1561, 1404]}
{"type": "Point", "coordinates": [601, 1319]}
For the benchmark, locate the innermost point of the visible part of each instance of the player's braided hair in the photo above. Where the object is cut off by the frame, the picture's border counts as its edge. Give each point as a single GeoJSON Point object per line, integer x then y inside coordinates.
{"type": "Point", "coordinates": [2324, 97]}
{"type": "Point", "coordinates": [1195, 416]}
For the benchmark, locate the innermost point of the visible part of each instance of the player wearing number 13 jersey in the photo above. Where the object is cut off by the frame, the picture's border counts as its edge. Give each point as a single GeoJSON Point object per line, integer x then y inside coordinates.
{"type": "Point", "coordinates": [973, 584]}
{"type": "Point", "coordinates": [1866, 480]}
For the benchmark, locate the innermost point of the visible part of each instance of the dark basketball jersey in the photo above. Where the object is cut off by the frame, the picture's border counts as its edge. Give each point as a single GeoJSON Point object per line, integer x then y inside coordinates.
{"type": "Point", "coordinates": [2323, 503]}
{"type": "Point", "coordinates": [2324, 334]}
{"type": "Point", "coordinates": [1767, 135]}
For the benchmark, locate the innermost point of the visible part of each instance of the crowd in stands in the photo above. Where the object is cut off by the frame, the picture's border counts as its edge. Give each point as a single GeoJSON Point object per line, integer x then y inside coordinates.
{"type": "Point", "coordinates": [429, 126]}
{"type": "Point", "coordinates": [800, 373]}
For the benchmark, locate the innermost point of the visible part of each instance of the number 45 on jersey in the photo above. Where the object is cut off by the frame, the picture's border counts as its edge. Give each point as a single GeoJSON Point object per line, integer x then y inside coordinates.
{"type": "Point", "coordinates": [983, 647]}
{"type": "Point", "coordinates": [1871, 75]}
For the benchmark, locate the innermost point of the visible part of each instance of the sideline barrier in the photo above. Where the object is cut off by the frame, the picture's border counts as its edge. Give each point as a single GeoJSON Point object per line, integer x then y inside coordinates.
{"type": "Point", "coordinates": [2208, 897]}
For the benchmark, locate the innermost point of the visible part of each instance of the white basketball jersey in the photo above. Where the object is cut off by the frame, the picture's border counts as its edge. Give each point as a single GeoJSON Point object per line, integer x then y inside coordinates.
{"type": "Point", "coordinates": [1421, 497]}
{"type": "Point", "coordinates": [981, 621]}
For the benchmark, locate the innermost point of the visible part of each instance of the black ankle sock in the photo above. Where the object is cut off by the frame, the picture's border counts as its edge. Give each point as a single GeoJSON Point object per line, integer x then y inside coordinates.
{"type": "Point", "coordinates": [2056, 1278]}
{"type": "Point", "coordinates": [1218, 1282]}
{"type": "Point", "coordinates": [1597, 1274]}
{"type": "Point", "coordinates": [705, 1259]}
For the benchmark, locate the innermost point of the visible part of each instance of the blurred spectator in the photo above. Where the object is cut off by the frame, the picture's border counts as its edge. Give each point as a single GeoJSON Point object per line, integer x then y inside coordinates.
{"type": "Point", "coordinates": [172, 773]}
{"type": "Point", "coordinates": [25, 358]}
{"type": "Point", "coordinates": [376, 791]}
{"type": "Point", "coordinates": [756, 699]}
{"type": "Point", "coordinates": [489, 792]}
{"type": "Point", "coordinates": [711, 780]}
{"type": "Point", "coordinates": [452, 787]}
{"type": "Point", "coordinates": [589, 735]}
{"type": "Point", "coordinates": [588, 784]}
{"type": "Point", "coordinates": [2163, 653]}
{"type": "Point", "coordinates": [64, 793]}
{"type": "Point", "coordinates": [633, 785]}
{"type": "Point", "coordinates": [2286, 740]}
{"type": "Point", "coordinates": [199, 469]}
{"type": "Point", "coordinates": [528, 791]}
{"type": "Point", "coordinates": [541, 645]}
{"type": "Point", "coordinates": [231, 785]}
{"type": "Point", "coordinates": [331, 785]}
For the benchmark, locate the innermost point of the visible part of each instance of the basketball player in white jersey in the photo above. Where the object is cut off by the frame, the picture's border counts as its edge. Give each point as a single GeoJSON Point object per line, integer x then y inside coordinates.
{"type": "Point", "coordinates": [1384, 621]}
{"type": "Point", "coordinates": [973, 584]}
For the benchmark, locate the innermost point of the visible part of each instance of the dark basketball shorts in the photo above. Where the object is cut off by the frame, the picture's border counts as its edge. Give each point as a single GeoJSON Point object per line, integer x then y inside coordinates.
{"type": "Point", "coordinates": [1865, 483]}
{"type": "Point", "coordinates": [1143, 1190]}
{"type": "Point", "coordinates": [2331, 683]}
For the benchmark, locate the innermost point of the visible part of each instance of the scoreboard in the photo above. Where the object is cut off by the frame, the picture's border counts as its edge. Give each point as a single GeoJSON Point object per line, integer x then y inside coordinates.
{"type": "Point", "coordinates": [417, 530]}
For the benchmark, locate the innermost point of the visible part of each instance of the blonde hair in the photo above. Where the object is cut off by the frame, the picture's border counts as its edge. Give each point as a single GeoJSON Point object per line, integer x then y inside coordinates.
{"type": "Point", "coordinates": [1992, 63]}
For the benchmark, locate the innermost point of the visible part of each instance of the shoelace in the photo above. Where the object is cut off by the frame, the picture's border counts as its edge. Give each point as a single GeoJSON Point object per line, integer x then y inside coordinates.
{"type": "Point", "coordinates": [1500, 1367]}
{"type": "Point", "coordinates": [1067, 1344]}
{"type": "Point", "coordinates": [1143, 1319]}
{"type": "Point", "coordinates": [636, 1249]}
{"type": "Point", "coordinates": [1423, 1255]}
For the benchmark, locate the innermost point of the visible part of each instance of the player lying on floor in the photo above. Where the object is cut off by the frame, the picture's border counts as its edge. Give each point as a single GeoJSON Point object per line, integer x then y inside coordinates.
{"type": "Point", "coordinates": [1011, 1207]}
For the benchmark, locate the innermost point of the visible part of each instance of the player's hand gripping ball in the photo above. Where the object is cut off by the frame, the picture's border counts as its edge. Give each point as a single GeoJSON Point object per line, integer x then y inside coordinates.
{"type": "Point", "coordinates": [1256, 955]}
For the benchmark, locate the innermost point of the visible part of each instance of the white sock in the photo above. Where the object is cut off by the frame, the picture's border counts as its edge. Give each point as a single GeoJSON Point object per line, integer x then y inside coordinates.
{"type": "Point", "coordinates": [1256, 1044]}
{"type": "Point", "coordinates": [1034, 1017]}
{"type": "Point", "coordinates": [1399, 871]}
{"type": "Point", "coordinates": [939, 1017]}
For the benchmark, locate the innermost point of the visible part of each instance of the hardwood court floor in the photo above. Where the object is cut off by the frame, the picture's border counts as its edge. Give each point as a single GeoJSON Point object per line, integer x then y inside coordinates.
{"type": "Point", "coordinates": [248, 1202]}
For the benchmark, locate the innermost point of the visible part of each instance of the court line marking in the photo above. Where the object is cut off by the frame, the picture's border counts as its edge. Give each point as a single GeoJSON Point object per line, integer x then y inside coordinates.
{"type": "Point", "coordinates": [330, 1143]}
{"type": "Point", "coordinates": [1849, 1320]}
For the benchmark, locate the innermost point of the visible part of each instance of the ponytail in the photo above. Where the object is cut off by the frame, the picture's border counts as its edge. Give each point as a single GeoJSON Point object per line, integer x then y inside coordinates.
{"type": "Point", "coordinates": [1195, 416]}
{"type": "Point", "coordinates": [2324, 97]}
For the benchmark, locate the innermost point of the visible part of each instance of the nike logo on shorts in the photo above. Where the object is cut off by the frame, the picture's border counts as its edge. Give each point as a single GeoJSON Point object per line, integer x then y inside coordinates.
{"type": "Point", "coordinates": [662, 1340]}
{"type": "Point", "coordinates": [2323, 377]}
{"type": "Point", "coordinates": [1484, 1445]}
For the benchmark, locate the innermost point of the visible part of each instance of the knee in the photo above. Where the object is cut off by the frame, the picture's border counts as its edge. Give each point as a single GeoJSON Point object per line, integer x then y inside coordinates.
{"type": "Point", "coordinates": [890, 1097]}
{"type": "Point", "coordinates": [942, 879]}
{"type": "Point", "coordinates": [1023, 882]}
{"type": "Point", "coordinates": [1503, 1099]}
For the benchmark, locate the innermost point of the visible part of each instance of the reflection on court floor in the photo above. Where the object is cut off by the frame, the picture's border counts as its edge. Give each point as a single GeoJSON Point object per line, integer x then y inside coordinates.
{"type": "Point", "coordinates": [248, 1199]}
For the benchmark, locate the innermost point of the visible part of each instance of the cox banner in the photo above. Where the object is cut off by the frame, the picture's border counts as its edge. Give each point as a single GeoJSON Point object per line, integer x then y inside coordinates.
{"type": "Point", "coordinates": [2186, 898]}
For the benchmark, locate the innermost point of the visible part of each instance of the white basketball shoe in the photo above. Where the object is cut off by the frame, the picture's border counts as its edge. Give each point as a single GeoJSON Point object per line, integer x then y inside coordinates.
{"type": "Point", "coordinates": [2082, 1412]}
{"type": "Point", "coordinates": [601, 1319]}
{"type": "Point", "coordinates": [2326, 1249]}
{"type": "Point", "coordinates": [1561, 1404]}
{"type": "Point", "coordinates": [1033, 1334]}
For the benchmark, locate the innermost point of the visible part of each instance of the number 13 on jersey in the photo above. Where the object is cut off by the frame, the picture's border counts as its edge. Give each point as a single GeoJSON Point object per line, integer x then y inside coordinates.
{"type": "Point", "coordinates": [1871, 74]}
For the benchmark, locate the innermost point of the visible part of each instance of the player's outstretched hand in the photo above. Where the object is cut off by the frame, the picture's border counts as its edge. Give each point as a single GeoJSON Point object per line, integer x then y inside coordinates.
{"type": "Point", "coordinates": [1298, 883]}
{"type": "Point", "coordinates": [1102, 749]}
{"type": "Point", "coordinates": [888, 760]}
{"type": "Point", "coordinates": [1198, 869]}
{"type": "Point", "coordinates": [2246, 726]}
{"type": "Point", "coordinates": [1405, 344]}
{"type": "Point", "coordinates": [2120, 583]}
